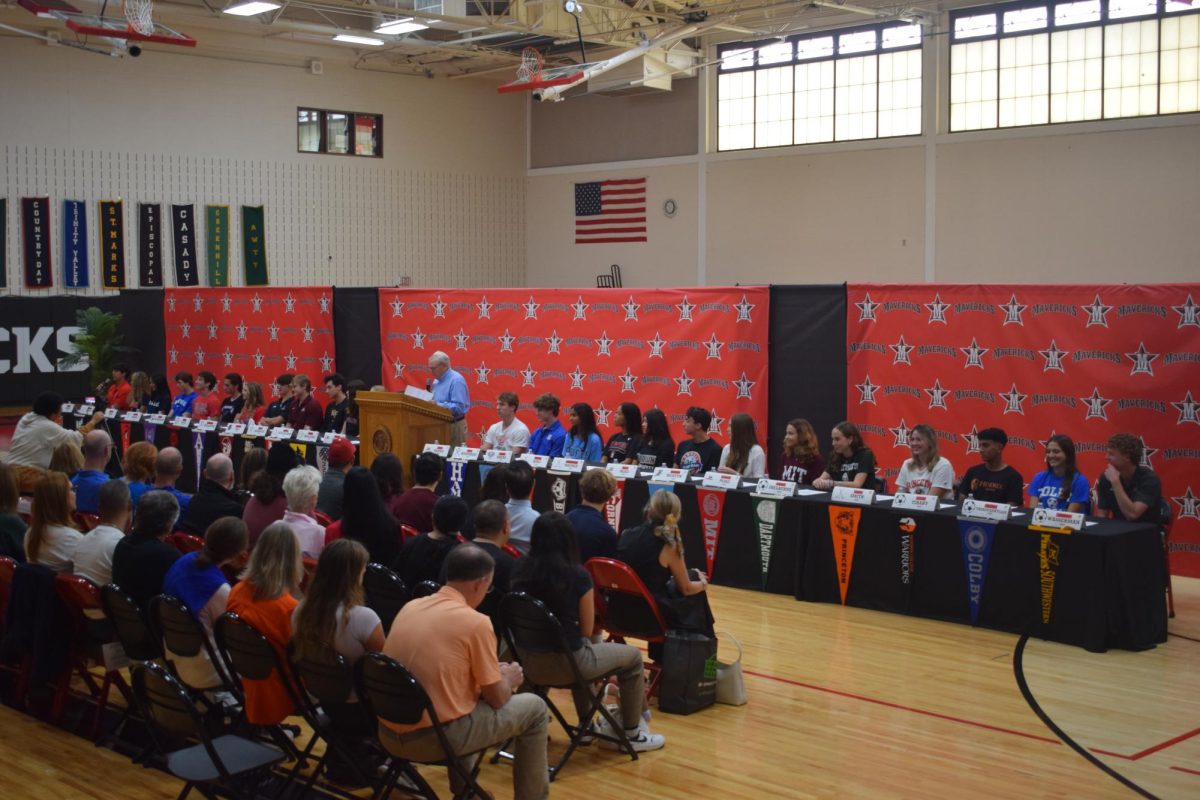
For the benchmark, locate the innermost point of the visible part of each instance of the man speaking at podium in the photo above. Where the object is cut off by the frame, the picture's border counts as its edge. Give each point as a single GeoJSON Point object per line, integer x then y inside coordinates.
{"type": "Point", "coordinates": [450, 392]}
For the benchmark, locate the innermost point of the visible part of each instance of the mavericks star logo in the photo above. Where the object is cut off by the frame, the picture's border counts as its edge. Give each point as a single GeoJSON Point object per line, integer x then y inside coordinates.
{"type": "Point", "coordinates": [1189, 313]}
{"type": "Point", "coordinates": [185, 329]}
{"type": "Point", "coordinates": [937, 310]}
{"type": "Point", "coordinates": [226, 300]}
{"type": "Point", "coordinates": [683, 384]}
{"type": "Point", "coordinates": [627, 381]}
{"type": "Point", "coordinates": [580, 308]}
{"type": "Point", "coordinates": [744, 385]}
{"type": "Point", "coordinates": [866, 309]}
{"type": "Point", "coordinates": [241, 330]}
{"type": "Point", "coordinates": [1097, 313]}
{"type": "Point", "coordinates": [1013, 400]}
{"type": "Point", "coordinates": [527, 375]}
{"type": "Point", "coordinates": [273, 332]}
{"type": "Point", "coordinates": [228, 356]}
{"type": "Point", "coordinates": [291, 359]}
{"type": "Point", "coordinates": [577, 378]}
{"type": "Point", "coordinates": [460, 340]}
{"type": "Point", "coordinates": [1142, 359]}
{"type": "Point", "coordinates": [714, 427]}
{"type": "Point", "coordinates": [602, 415]}
{"type": "Point", "coordinates": [974, 354]}
{"type": "Point", "coordinates": [900, 434]}
{"type": "Point", "coordinates": [506, 342]}
{"type": "Point", "coordinates": [397, 308]}
{"type": "Point", "coordinates": [656, 346]}
{"type": "Point", "coordinates": [1147, 452]}
{"type": "Point", "coordinates": [1187, 410]}
{"type": "Point", "coordinates": [743, 310]}
{"type": "Point", "coordinates": [485, 308]}
{"type": "Point", "coordinates": [937, 395]}
{"type": "Point", "coordinates": [212, 330]}
{"type": "Point", "coordinates": [685, 310]}
{"type": "Point", "coordinates": [866, 391]}
{"type": "Point", "coordinates": [482, 372]}
{"type": "Point", "coordinates": [901, 349]}
{"type": "Point", "coordinates": [418, 339]}
{"type": "Point", "coordinates": [198, 302]}
{"type": "Point", "coordinates": [307, 330]}
{"type": "Point", "coordinates": [604, 343]}
{"type": "Point", "coordinates": [439, 308]}
{"type": "Point", "coordinates": [200, 357]}
{"type": "Point", "coordinates": [554, 341]}
{"type": "Point", "coordinates": [972, 439]}
{"type": "Point", "coordinates": [631, 309]}
{"type": "Point", "coordinates": [258, 360]}
{"type": "Point", "coordinates": [531, 308]}
{"type": "Point", "coordinates": [714, 346]}
{"type": "Point", "coordinates": [256, 304]}
{"type": "Point", "coordinates": [1054, 357]}
{"type": "Point", "coordinates": [1012, 311]}
{"type": "Point", "coordinates": [1095, 405]}
{"type": "Point", "coordinates": [326, 361]}
{"type": "Point", "coordinates": [1189, 505]}
{"type": "Point", "coordinates": [323, 301]}
{"type": "Point", "coordinates": [289, 304]}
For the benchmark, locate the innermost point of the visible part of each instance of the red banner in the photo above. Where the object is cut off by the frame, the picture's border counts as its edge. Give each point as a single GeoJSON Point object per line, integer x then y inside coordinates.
{"type": "Point", "coordinates": [711, 503]}
{"type": "Point", "coordinates": [258, 332]}
{"type": "Point", "coordinates": [666, 348]}
{"type": "Point", "coordinates": [1086, 361]}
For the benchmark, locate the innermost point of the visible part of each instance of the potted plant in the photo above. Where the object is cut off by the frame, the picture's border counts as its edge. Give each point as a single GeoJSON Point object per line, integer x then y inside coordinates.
{"type": "Point", "coordinates": [98, 344]}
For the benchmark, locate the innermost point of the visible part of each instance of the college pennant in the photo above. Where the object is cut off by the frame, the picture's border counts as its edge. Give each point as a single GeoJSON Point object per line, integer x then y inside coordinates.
{"type": "Point", "coordinates": [182, 237]}
{"type": "Point", "coordinates": [558, 493]}
{"type": "Point", "coordinates": [766, 511]}
{"type": "Point", "coordinates": [227, 445]}
{"type": "Point", "coordinates": [217, 230]}
{"type": "Point", "coordinates": [75, 244]}
{"type": "Point", "coordinates": [712, 506]}
{"type": "Point", "coordinates": [612, 509]}
{"type": "Point", "coordinates": [843, 527]}
{"type": "Point", "coordinates": [323, 458]}
{"type": "Point", "coordinates": [455, 473]}
{"type": "Point", "coordinates": [126, 436]}
{"type": "Point", "coordinates": [653, 488]}
{"type": "Point", "coordinates": [1049, 560]}
{"type": "Point", "coordinates": [112, 243]}
{"type": "Point", "coordinates": [149, 245]}
{"type": "Point", "coordinates": [254, 245]}
{"type": "Point", "coordinates": [148, 429]}
{"type": "Point", "coordinates": [35, 231]}
{"type": "Point", "coordinates": [198, 455]}
{"type": "Point", "coordinates": [976, 539]}
{"type": "Point", "coordinates": [300, 449]}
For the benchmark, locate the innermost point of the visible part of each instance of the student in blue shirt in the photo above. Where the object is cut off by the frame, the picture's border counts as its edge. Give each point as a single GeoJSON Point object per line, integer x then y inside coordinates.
{"type": "Point", "coordinates": [550, 438]}
{"type": "Point", "coordinates": [1060, 486]}
{"type": "Point", "coordinates": [450, 392]}
{"type": "Point", "coordinates": [583, 441]}
{"type": "Point", "coordinates": [186, 397]}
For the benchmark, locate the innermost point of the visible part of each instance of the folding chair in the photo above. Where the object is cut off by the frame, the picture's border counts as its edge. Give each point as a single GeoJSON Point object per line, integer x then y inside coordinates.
{"type": "Point", "coordinates": [129, 624]}
{"type": "Point", "coordinates": [397, 697]}
{"type": "Point", "coordinates": [1167, 521]}
{"type": "Point", "coordinates": [425, 588]}
{"type": "Point", "coordinates": [512, 551]}
{"type": "Point", "coordinates": [8, 568]}
{"type": "Point", "coordinates": [385, 593]}
{"type": "Point", "coordinates": [531, 627]}
{"type": "Point", "coordinates": [628, 609]}
{"type": "Point", "coordinates": [185, 542]}
{"type": "Point", "coordinates": [85, 521]}
{"type": "Point", "coordinates": [407, 532]}
{"type": "Point", "coordinates": [213, 763]}
{"type": "Point", "coordinates": [322, 518]}
{"type": "Point", "coordinates": [184, 636]}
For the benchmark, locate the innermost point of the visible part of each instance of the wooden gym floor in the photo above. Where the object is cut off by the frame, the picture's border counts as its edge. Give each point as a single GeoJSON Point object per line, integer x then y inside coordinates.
{"type": "Point", "coordinates": [843, 703]}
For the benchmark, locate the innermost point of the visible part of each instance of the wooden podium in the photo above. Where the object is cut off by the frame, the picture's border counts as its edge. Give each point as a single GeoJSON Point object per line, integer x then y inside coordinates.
{"type": "Point", "coordinates": [390, 422]}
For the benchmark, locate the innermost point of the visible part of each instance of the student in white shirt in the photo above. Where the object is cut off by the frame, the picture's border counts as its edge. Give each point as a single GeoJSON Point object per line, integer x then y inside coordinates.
{"type": "Point", "coordinates": [509, 433]}
{"type": "Point", "coordinates": [743, 455]}
{"type": "Point", "coordinates": [93, 555]}
{"type": "Point", "coordinates": [926, 472]}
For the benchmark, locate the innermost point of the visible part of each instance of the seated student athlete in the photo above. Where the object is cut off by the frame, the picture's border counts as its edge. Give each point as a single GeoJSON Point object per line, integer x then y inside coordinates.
{"type": "Point", "coordinates": [992, 481]}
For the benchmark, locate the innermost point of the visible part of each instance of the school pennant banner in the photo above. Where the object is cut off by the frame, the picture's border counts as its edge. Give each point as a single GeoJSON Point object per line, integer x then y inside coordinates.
{"type": "Point", "coordinates": [976, 538]}
{"type": "Point", "coordinates": [711, 503]}
{"type": "Point", "coordinates": [455, 474]}
{"type": "Point", "coordinates": [323, 458]}
{"type": "Point", "coordinates": [226, 445]}
{"type": "Point", "coordinates": [126, 435]}
{"type": "Point", "coordinates": [300, 449]}
{"type": "Point", "coordinates": [75, 244]}
{"type": "Point", "coordinates": [908, 551]}
{"type": "Point", "coordinates": [559, 486]}
{"type": "Point", "coordinates": [183, 232]}
{"type": "Point", "coordinates": [216, 229]}
{"type": "Point", "coordinates": [254, 245]}
{"type": "Point", "coordinates": [150, 245]}
{"type": "Point", "coordinates": [112, 243]}
{"type": "Point", "coordinates": [766, 512]}
{"type": "Point", "coordinates": [843, 527]}
{"type": "Point", "coordinates": [148, 430]}
{"type": "Point", "coordinates": [612, 509]}
{"type": "Point", "coordinates": [35, 231]}
{"type": "Point", "coordinates": [1050, 554]}
{"type": "Point", "coordinates": [198, 455]}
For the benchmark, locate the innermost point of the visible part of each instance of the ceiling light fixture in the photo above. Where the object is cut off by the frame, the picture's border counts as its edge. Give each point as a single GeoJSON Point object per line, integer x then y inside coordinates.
{"type": "Point", "coordinates": [249, 9]}
{"type": "Point", "coordinates": [396, 27]}
{"type": "Point", "coordinates": [350, 38]}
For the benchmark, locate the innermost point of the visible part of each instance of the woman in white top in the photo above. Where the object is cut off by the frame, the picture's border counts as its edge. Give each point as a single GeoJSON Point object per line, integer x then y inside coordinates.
{"type": "Point", "coordinates": [52, 538]}
{"type": "Point", "coordinates": [926, 472]}
{"type": "Point", "coordinates": [743, 455]}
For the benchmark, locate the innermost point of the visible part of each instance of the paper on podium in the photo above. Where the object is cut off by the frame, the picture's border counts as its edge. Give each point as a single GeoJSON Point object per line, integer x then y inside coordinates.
{"type": "Point", "coordinates": [419, 393]}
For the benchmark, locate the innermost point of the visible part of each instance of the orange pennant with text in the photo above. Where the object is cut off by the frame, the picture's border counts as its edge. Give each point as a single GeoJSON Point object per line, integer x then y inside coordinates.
{"type": "Point", "coordinates": [843, 526]}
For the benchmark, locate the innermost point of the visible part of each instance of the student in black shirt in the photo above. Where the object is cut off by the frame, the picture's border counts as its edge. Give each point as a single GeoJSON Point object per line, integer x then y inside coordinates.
{"type": "Point", "coordinates": [421, 557]}
{"type": "Point", "coordinates": [141, 559]}
{"type": "Point", "coordinates": [993, 481]}
{"type": "Point", "coordinates": [622, 448]}
{"type": "Point", "coordinates": [281, 407]}
{"type": "Point", "coordinates": [1128, 490]}
{"type": "Point", "coordinates": [339, 404]}
{"type": "Point", "coordinates": [491, 534]}
{"type": "Point", "coordinates": [233, 403]}
{"type": "Point", "coordinates": [658, 448]}
{"type": "Point", "coordinates": [698, 453]}
{"type": "Point", "coordinates": [851, 463]}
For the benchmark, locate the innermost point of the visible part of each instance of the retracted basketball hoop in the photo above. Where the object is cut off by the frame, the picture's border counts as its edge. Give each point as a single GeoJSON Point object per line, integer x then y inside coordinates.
{"type": "Point", "coordinates": [136, 24]}
{"type": "Point", "coordinates": [531, 76]}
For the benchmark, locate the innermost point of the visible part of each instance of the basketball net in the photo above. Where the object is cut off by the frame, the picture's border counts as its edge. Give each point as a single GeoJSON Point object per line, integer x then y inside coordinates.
{"type": "Point", "coordinates": [139, 14]}
{"type": "Point", "coordinates": [530, 68]}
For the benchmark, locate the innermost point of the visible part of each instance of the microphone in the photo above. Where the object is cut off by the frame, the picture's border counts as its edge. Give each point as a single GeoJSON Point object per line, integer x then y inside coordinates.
{"type": "Point", "coordinates": [429, 385]}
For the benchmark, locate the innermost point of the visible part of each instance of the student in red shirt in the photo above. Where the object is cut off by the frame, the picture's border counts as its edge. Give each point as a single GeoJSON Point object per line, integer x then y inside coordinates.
{"type": "Point", "coordinates": [306, 411]}
{"type": "Point", "coordinates": [207, 403]}
{"type": "Point", "coordinates": [120, 392]}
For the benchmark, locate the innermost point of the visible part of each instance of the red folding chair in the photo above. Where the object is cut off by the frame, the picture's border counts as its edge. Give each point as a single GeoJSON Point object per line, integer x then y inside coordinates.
{"type": "Point", "coordinates": [1168, 522]}
{"type": "Point", "coordinates": [512, 551]}
{"type": "Point", "coordinates": [86, 521]}
{"type": "Point", "coordinates": [407, 532]}
{"type": "Point", "coordinates": [185, 542]}
{"type": "Point", "coordinates": [626, 609]}
{"type": "Point", "coordinates": [310, 569]}
{"type": "Point", "coordinates": [7, 567]}
{"type": "Point", "coordinates": [322, 518]}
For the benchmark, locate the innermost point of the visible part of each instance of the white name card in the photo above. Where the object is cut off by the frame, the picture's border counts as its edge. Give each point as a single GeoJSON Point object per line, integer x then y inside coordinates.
{"type": "Point", "coordinates": [1050, 519]}
{"type": "Point", "coordinates": [155, 419]}
{"type": "Point", "coordinates": [235, 429]}
{"type": "Point", "coordinates": [669, 475]}
{"type": "Point", "coordinates": [327, 438]}
{"type": "Point", "coordinates": [132, 416]}
{"type": "Point", "coordinates": [280, 434]}
{"type": "Point", "coordinates": [721, 480]}
{"type": "Point", "coordinates": [495, 456]}
{"type": "Point", "coordinates": [622, 471]}
{"type": "Point", "coordinates": [981, 509]}
{"type": "Point", "coordinates": [67, 408]}
{"type": "Point", "coordinates": [181, 422]}
{"type": "Point", "coordinates": [110, 413]}
{"type": "Point", "coordinates": [442, 450]}
{"type": "Point", "coordinates": [308, 435]}
{"type": "Point", "coordinates": [254, 429]}
{"type": "Point", "coordinates": [86, 410]}
{"type": "Point", "coordinates": [561, 464]}
{"type": "Point", "coordinates": [773, 488]}
{"type": "Point", "coordinates": [464, 453]}
{"type": "Point", "coordinates": [537, 462]}
{"type": "Point", "coordinates": [851, 494]}
{"type": "Point", "coordinates": [206, 425]}
{"type": "Point", "coordinates": [915, 502]}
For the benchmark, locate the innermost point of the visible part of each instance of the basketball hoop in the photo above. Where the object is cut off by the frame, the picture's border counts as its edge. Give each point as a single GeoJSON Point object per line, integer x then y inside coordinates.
{"type": "Point", "coordinates": [139, 13]}
{"type": "Point", "coordinates": [530, 68]}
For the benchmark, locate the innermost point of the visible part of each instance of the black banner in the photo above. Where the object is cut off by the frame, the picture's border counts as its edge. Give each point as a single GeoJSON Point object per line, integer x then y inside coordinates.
{"type": "Point", "coordinates": [112, 243]}
{"type": "Point", "coordinates": [183, 230]}
{"type": "Point", "coordinates": [35, 229]}
{"type": "Point", "coordinates": [356, 333]}
{"type": "Point", "coordinates": [3, 242]}
{"type": "Point", "coordinates": [149, 245]}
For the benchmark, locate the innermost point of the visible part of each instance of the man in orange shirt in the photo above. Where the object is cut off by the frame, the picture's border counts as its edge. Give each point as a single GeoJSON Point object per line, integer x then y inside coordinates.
{"type": "Point", "coordinates": [451, 649]}
{"type": "Point", "coordinates": [119, 390]}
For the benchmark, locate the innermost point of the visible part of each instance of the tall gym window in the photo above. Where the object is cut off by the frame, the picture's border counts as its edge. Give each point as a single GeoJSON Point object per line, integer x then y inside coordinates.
{"type": "Point", "coordinates": [339, 132]}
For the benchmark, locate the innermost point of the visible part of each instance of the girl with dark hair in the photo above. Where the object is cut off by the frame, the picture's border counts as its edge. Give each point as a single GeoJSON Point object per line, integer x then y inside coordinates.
{"type": "Point", "coordinates": [1060, 485]}
{"type": "Point", "coordinates": [623, 446]}
{"type": "Point", "coordinates": [159, 400]}
{"type": "Point", "coordinates": [658, 448]}
{"type": "Point", "coordinates": [268, 503]}
{"type": "Point", "coordinates": [365, 518]}
{"type": "Point", "coordinates": [552, 573]}
{"type": "Point", "coordinates": [743, 455]}
{"type": "Point", "coordinates": [851, 463]}
{"type": "Point", "coordinates": [495, 485]}
{"type": "Point", "coordinates": [389, 475]}
{"type": "Point", "coordinates": [582, 439]}
{"type": "Point", "coordinates": [801, 461]}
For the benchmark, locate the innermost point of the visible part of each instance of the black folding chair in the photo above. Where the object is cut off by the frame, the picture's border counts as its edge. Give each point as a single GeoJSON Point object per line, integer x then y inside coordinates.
{"type": "Point", "coordinates": [425, 588]}
{"type": "Point", "coordinates": [397, 697]}
{"type": "Point", "coordinates": [385, 593]}
{"type": "Point", "coordinates": [129, 624]}
{"type": "Point", "coordinates": [184, 636]}
{"type": "Point", "coordinates": [531, 627]}
{"type": "Point", "coordinates": [230, 764]}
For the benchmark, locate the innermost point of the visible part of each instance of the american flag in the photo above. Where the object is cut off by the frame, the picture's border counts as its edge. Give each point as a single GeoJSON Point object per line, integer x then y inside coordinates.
{"type": "Point", "coordinates": [610, 211]}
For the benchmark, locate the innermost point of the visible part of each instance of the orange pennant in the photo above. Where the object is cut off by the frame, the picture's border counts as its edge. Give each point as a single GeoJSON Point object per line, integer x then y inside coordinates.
{"type": "Point", "coordinates": [843, 527]}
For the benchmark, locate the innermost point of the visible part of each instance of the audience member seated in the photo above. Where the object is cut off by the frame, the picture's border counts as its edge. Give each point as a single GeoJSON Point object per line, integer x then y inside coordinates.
{"type": "Point", "coordinates": [553, 574]}
{"type": "Point", "coordinates": [658, 448]}
{"type": "Point", "coordinates": [623, 445]}
{"type": "Point", "coordinates": [67, 459]}
{"type": "Point", "coordinates": [421, 557]}
{"type": "Point", "coordinates": [140, 389]}
{"type": "Point", "coordinates": [305, 411]}
{"type": "Point", "coordinates": [265, 599]}
{"type": "Point", "coordinates": [141, 559]}
{"type": "Point", "coordinates": [743, 455]}
{"type": "Point", "coordinates": [52, 538]}
{"type": "Point", "coordinates": [215, 498]}
{"type": "Point", "coordinates": [801, 461]}
{"type": "Point", "coordinates": [519, 478]}
{"type": "Point", "coordinates": [199, 581]}
{"type": "Point", "coordinates": [550, 438]}
{"type": "Point", "coordinates": [12, 527]}
{"type": "Point", "coordinates": [582, 440]}
{"type": "Point", "coordinates": [97, 449]}
{"type": "Point", "coordinates": [1060, 485]}
{"type": "Point", "coordinates": [851, 463]}
{"type": "Point", "coordinates": [37, 434]}
{"type": "Point", "coordinates": [389, 474]}
{"type": "Point", "coordinates": [120, 392]}
{"type": "Point", "coordinates": [138, 467]}
{"type": "Point", "coordinates": [234, 400]}
{"type": "Point", "coordinates": [655, 551]}
{"type": "Point", "coordinates": [451, 650]}
{"type": "Point", "coordinates": [367, 519]}
{"type": "Point", "coordinates": [300, 486]}
{"type": "Point", "coordinates": [415, 507]}
{"type": "Point", "coordinates": [592, 531]}
{"type": "Point", "coordinates": [509, 433]}
{"type": "Point", "coordinates": [1128, 490]}
{"type": "Point", "coordinates": [927, 472]}
{"type": "Point", "coordinates": [329, 496]}
{"type": "Point", "coordinates": [495, 484]}
{"type": "Point", "coordinates": [158, 399]}
{"type": "Point", "coordinates": [182, 405]}
{"type": "Point", "coordinates": [94, 553]}
{"type": "Point", "coordinates": [280, 409]}
{"type": "Point", "coordinates": [993, 481]}
{"type": "Point", "coordinates": [254, 404]}
{"type": "Point", "coordinates": [168, 466]}
{"type": "Point", "coordinates": [268, 503]}
{"type": "Point", "coordinates": [491, 534]}
{"type": "Point", "coordinates": [254, 459]}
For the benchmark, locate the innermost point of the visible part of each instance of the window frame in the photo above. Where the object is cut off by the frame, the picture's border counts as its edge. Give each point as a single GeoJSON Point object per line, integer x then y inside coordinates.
{"type": "Point", "coordinates": [351, 118]}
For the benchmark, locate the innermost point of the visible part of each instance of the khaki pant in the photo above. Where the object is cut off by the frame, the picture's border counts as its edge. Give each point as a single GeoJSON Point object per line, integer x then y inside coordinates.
{"type": "Point", "coordinates": [594, 661]}
{"type": "Point", "coordinates": [458, 432]}
{"type": "Point", "coordinates": [522, 717]}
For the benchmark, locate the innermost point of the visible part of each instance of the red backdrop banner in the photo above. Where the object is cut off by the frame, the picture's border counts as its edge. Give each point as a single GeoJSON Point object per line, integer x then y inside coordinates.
{"type": "Point", "coordinates": [258, 332]}
{"type": "Point", "coordinates": [1087, 361]}
{"type": "Point", "coordinates": [670, 348]}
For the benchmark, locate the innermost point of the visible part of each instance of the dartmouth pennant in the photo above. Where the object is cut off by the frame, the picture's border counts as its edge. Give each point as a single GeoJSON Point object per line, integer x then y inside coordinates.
{"type": "Point", "coordinates": [150, 245]}
{"type": "Point", "coordinates": [112, 243]}
{"type": "Point", "coordinates": [254, 245]}
{"type": "Point", "coordinates": [976, 539]}
{"type": "Point", "coordinates": [35, 231]}
{"type": "Point", "coordinates": [712, 506]}
{"type": "Point", "coordinates": [183, 237]}
{"type": "Point", "coordinates": [75, 244]}
{"type": "Point", "coordinates": [766, 511]}
{"type": "Point", "coordinates": [217, 229]}
{"type": "Point", "coordinates": [843, 527]}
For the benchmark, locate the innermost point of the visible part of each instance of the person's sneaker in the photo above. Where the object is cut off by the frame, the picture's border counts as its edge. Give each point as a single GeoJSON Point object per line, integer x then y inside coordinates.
{"type": "Point", "coordinates": [641, 739]}
{"type": "Point", "coordinates": [599, 726]}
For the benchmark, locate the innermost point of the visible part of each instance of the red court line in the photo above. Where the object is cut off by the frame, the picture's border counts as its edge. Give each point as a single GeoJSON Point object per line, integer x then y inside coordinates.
{"type": "Point", "coordinates": [1188, 771]}
{"type": "Point", "coordinates": [1151, 750]}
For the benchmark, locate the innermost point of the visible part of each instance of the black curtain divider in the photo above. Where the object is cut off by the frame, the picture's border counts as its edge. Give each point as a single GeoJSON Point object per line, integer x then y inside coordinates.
{"type": "Point", "coordinates": [356, 333]}
{"type": "Point", "coordinates": [143, 324]}
{"type": "Point", "coordinates": [807, 362]}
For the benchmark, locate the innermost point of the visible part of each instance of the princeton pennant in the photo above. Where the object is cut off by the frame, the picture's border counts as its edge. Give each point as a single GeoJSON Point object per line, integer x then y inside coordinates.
{"type": "Point", "coordinates": [711, 503]}
{"type": "Point", "coordinates": [843, 527]}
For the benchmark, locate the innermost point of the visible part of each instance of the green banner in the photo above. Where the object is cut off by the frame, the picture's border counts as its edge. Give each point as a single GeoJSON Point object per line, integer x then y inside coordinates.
{"type": "Point", "coordinates": [3, 242]}
{"type": "Point", "coordinates": [254, 245]}
{"type": "Point", "coordinates": [217, 228]}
